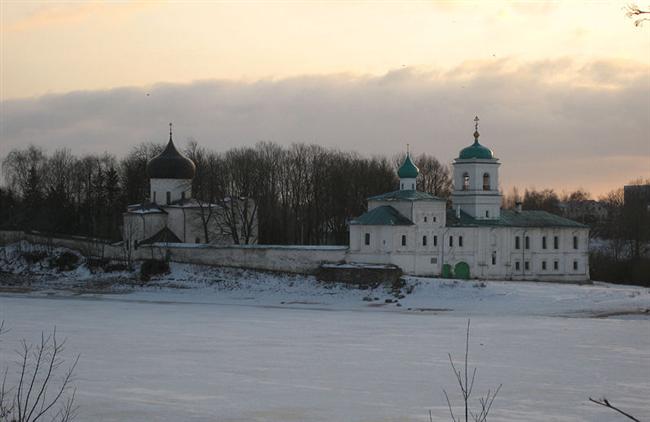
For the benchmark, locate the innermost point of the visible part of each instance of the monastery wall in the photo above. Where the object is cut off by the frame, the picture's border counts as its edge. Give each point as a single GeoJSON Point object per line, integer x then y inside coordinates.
{"type": "Point", "coordinates": [292, 259]}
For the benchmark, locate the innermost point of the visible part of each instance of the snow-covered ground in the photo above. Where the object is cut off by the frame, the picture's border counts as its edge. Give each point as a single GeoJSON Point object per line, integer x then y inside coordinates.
{"type": "Point", "coordinates": [206, 344]}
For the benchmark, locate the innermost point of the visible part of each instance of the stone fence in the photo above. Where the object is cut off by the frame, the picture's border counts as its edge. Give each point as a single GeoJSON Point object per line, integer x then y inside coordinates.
{"type": "Point", "coordinates": [285, 258]}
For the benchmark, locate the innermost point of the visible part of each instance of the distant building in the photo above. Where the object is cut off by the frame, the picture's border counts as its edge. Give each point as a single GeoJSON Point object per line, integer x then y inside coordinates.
{"type": "Point", "coordinates": [587, 211]}
{"type": "Point", "coordinates": [637, 196]}
{"type": "Point", "coordinates": [173, 216]}
{"type": "Point", "coordinates": [476, 238]}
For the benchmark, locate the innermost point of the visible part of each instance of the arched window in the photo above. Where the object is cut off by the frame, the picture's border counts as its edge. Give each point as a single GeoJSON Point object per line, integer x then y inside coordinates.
{"type": "Point", "coordinates": [486, 181]}
{"type": "Point", "coordinates": [465, 181]}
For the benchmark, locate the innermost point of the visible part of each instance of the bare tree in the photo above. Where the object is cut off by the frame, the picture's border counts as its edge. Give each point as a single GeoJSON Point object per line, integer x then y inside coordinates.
{"type": "Point", "coordinates": [42, 390]}
{"type": "Point", "coordinates": [606, 403]}
{"type": "Point", "coordinates": [466, 385]}
{"type": "Point", "coordinates": [635, 12]}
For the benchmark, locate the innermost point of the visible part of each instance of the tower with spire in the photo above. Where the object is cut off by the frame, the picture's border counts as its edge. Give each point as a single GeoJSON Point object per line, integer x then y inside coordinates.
{"type": "Point", "coordinates": [476, 181]}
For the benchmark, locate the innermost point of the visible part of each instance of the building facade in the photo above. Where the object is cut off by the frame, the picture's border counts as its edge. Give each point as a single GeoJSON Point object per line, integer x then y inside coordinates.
{"type": "Point", "coordinates": [172, 216]}
{"type": "Point", "coordinates": [475, 238]}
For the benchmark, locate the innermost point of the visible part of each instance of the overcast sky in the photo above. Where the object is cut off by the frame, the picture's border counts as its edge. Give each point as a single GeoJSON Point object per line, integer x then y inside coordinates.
{"type": "Point", "coordinates": [562, 90]}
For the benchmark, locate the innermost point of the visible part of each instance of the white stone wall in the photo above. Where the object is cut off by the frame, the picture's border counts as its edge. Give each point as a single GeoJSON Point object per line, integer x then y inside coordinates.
{"type": "Point", "coordinates": [478, 246]}
{"type": "Point", "coordinates": [175, 187]}
{"type": "Point", "coordinates": [407, 184]}
{"type": "Point", "coordinates": [293, 259]}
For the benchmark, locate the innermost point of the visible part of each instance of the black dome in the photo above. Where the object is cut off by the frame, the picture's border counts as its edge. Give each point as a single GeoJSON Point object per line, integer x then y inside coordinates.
{"type": "Point", "coordinates": [170, 164]}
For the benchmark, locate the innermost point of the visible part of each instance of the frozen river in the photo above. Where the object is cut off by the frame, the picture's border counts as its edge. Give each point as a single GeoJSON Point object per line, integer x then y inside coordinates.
{"type": "Point", "coordinates": [151, 361]}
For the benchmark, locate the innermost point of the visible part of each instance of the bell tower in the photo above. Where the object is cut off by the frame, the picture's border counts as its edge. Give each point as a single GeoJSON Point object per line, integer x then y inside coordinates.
{"type": "Point", "coordinates": [476, 181]}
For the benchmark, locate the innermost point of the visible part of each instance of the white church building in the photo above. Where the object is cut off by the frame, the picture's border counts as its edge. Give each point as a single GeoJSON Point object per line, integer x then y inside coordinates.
{"type": "Point", "coordinates": [172, 216]}
{"type": "Point", "coordinates": [476, 238]}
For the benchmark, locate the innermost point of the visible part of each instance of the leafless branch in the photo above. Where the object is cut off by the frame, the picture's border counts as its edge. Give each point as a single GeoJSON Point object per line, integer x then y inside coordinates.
{"type": "Point", "coordinates": [635, 12]}
{"type": "Point", "coordinates": [466, 386]}
{"type": "Point", "coordinates": [604, 402]}
{"type": "Point", "coordinates": [38, 367]}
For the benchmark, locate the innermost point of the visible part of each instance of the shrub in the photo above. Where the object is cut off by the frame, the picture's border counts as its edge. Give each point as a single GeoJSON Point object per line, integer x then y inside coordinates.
{"type": "Point", "coordinates": [603, 267]}
{"type": "Point", "coordinates": [32, 257]}
{"type": "Point", "coordinates": [153, 267]}
{"type": "Point", "coordinates": [67, 261]}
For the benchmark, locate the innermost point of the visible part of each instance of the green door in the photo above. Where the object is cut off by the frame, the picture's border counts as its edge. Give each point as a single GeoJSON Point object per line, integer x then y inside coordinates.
{"type": "Point", "coordinates": [461, 270]}
{"type": "Point", "coordinates": [446, 271]}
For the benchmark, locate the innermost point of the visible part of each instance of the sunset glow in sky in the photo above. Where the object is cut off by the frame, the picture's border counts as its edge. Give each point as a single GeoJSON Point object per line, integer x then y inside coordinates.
{"type": "Point", "coordinates": [562, 89]}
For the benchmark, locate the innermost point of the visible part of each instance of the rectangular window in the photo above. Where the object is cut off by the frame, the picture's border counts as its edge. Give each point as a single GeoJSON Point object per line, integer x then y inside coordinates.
{"type": "Point", "coordinates": [403, 240]}
{"type": "Point", "coordinates": [183, 195]}
{"type": "Point", "coordinates": [451, 241]}
{"type": "Point", "coordinates": [367, 242]}
{"type": "Point", "coordinates": [169, 198]}
{"type": "Point", "coordinates": [435, 240]}
{"type": "Point", "coordinates": [487, 214]}
{"type": "Point", "coordinates": [434, 260]}
{"type": "Point", "coordinates": [424, 241]}
{"type": "Point", "coordinates": [556, 242]}
{"type": "Point", "coordinates": [434, 219]}
{"type": "Point", "coordinates": [543, 242]}
{"type": "Point", "coordinates": [517, 266]}
{"type": "Point", "coordinates": [517, 246]}
{"type": "Point", "coordinates": [494, 258]}
{"type": "Point", "coordinates": [556, 265]}
{"type": "Point", "coordinates": [425, 218]}
{"type": "Point", "coordinates": [460, 241]}
{"type": "Point", "coordinates": [543, 265]}
{"type": "Point", "coordinates": [527, 242]}
{"type": "Point", "coordinates": [575, 242]}
{"type": "Point", "coordinates": [154, 197]}
{"type": "Point", "coordinates": [527, 265]}
{"type": "Point", "coordinates": [575, 265]}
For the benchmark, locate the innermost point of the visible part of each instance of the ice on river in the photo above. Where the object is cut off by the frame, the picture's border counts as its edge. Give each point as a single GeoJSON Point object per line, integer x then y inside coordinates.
{"type": "Point", "coordinates": [150, 356]}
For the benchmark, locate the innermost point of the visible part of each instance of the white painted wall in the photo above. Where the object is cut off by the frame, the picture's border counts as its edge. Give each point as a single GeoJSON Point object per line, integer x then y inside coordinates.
{"type": "Point", "coordinates": [407, 184]}
{"type": "Point", "coordinates": [175, 187]}
{"type": "Point", "coordinates": [478, 245]}
{"type": "Point", "coordinates": [476, 201]}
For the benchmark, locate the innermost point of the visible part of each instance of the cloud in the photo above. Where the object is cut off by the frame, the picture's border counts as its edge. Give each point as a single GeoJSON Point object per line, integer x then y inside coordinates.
{"type": "Point", "coordinates": [534, 115]}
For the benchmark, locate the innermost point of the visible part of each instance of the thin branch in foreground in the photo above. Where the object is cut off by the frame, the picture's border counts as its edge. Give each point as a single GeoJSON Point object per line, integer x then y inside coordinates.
{"type": "Point", "coordinates": [604, 402]}
{"type": "Point", "coordinates": [466, 386]}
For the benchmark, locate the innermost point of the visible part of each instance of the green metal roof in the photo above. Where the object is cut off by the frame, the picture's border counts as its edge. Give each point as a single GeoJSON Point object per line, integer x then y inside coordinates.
{"type": "Point", "coordinates": [476, 150]}
{"type": "Point", "coordinates": [382, 216]}
{"type": "Point", "coordinates": [408, 170]}
{"type": "Point", "coordinates": [405, 195]}
{"type": "Point", "coordinates": [511, 218]}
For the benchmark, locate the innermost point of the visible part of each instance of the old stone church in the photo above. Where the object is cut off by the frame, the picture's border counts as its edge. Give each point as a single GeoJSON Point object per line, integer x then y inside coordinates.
{"type": "Point", "coordinates": [172, 215]}
{"type": "Point", "coordinates": [476, 238]}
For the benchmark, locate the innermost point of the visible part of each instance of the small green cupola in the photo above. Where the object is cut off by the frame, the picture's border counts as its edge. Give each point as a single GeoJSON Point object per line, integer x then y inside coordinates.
{"type": "Point", "coordinates": [408, 173]}
{"type": "Point", "coordinates": [408, 170]}
{"type": "Point", "coordinates": [476, 150]}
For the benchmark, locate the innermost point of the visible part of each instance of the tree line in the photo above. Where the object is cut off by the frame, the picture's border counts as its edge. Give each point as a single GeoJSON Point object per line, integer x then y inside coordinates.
{"type": "Point", "coordinates": [303, 194]}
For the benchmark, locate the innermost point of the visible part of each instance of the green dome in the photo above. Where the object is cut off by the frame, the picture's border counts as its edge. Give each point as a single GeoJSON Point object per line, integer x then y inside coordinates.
{"type": "Point", "coordinates": [476, 150]}
{"type": "Point", "coordinates": [408, 170]}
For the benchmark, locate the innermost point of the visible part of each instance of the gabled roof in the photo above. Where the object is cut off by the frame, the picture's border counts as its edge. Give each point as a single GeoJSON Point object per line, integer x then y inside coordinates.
{"type": "Point", "coordinates": [165, 235]}
{"type": "Point", "coordinates": [382, 216]}
{"type": "Point", "coordinates": [511, 218]}
{"type": "Point", "coordinates": [405, 195]}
